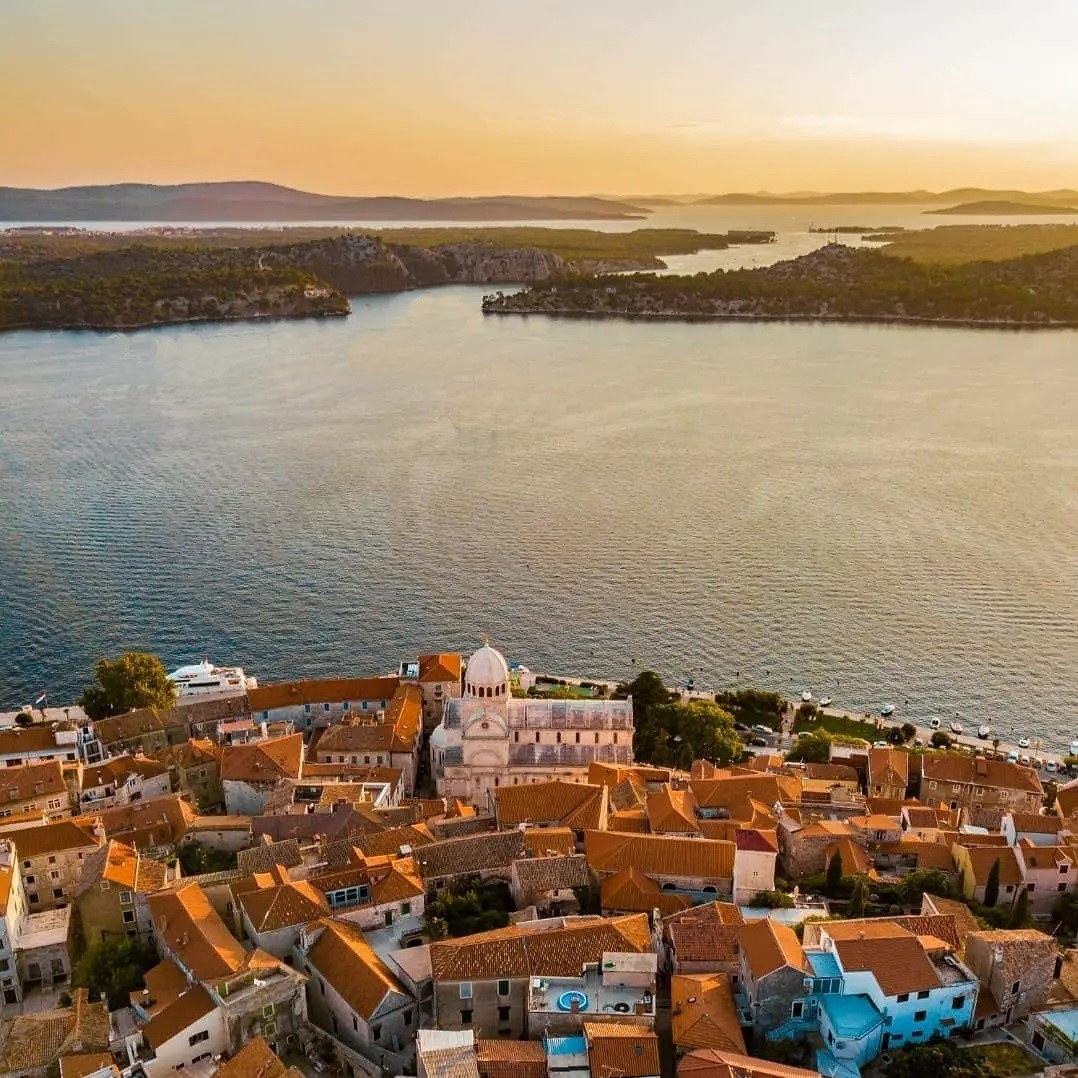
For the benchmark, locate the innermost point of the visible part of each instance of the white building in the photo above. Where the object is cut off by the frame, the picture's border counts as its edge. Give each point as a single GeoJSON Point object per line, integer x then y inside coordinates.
{"type": "Point", "coordinates": [488, 738]}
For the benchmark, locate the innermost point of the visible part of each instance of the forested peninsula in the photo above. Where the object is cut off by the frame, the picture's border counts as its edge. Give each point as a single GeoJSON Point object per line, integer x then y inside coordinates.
{"type": "Point", "coordinates": [834, 283]}
{"type": "Point", "coordinates": [74, 279]}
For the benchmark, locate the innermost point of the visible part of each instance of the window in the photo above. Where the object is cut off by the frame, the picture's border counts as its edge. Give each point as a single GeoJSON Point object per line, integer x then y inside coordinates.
{"type": "Point", "coordinates": [26, 864]}
{"type": "Point", "coordinates": [503, 988]}
{"type": "Point", "coordinates": [503, 1014]}
{"type": "Point", "coordinates": [54, 875]}
{"type": "Point", "coordinates": [125, 898]}
{"type": "Point", "coordinates": [1063, 869]}
{"type": "Point", "coordinates": [1016, 988]}
{"type": "Point", "coordinates": [376, 1033]}
{"type": "Point", "coordinates": [30, 881]}
{"type": "Point", "coordinates": [904, 997]}
{"type": "Point", "coordinates": [52, 860]}
{"type": "Point", "coordinates": [958, 1002]}
{"type": "Point", "coordinates": [798, 1009]}
{"type": "Point", "coordinates": [1061, 887]}
{"type": "Point", "coordinates": [1031, 886]}
{"type": "Point", "coordinates": [406, 908]}
{"type": "Point", "coordinates": [306, 709]}
{"type": "Point", "coordinates": [344, 705]}
{"type": "Point", "coordinates": [466, 1018]}
{"type": "Point", "coordinates": [57, 892]}
{"type": "Point", "coordinates": [198, 1038]}
{"type": "Point", "coordinates": [267, 1011]}
{"type": "Point", "coordinates": [920, 1016]}
{"type": "Point", "coordinates": [355, 1023]}
{"type": "Point", "coordinates": [325, 707]}
{"type": "Point", "coordinates": [129, 917]}
{"type": "Point", "coordinates": [923, 995]}
{"type": "Point", "coordinates": [596, 737]}
{"type": "Point", "coordinates": [465, 989]}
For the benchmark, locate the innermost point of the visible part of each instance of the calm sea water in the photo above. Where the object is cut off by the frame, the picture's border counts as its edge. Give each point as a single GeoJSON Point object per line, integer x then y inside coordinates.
{"type": "Point", "coordinates": [876, 513]}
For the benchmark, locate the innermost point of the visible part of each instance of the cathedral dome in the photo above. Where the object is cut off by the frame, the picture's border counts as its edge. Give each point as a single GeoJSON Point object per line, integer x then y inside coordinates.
{"type": "Point", "coordinates": [487, 673]}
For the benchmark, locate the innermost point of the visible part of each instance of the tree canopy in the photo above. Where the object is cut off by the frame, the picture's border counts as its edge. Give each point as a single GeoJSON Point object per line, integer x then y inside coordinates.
{"type": "Point", "coordinates": [673, 733]}
{"type": "Point", "coordinates": [812, 748]}
{"type": "Point", "coordinates": [113, 967]}
{"type": "Point", "coordinates": [133, 680]}
{"type": "Point", "coordinates": [462, 911]}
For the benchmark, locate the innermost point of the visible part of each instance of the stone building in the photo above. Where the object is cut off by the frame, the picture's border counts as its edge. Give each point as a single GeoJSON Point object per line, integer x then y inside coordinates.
{"type": "Point", "coordinates": [772, 971]}
{"type": "Point", "coordinates": [1016, 968]}
{"type": "Point", "coordinates": [488, 738]}
{"type": "Point", "coordinates": [986, 789]}
{"type": "Point", "coordinates": [51, 856]}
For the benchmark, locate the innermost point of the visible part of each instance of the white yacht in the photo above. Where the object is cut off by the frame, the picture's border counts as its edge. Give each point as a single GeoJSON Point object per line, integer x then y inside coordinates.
{"type": "Point", "coordinates": [205, 679]}
{"type": "Point", "coordinates": [934, 722]}
{"type": "Point", "coordinates": [825, 702]}
{"type": "Point", "coordinates": [807, 695]}
{"type": "Point", "coordinates": [1023, 742]}
{"type": "Point", "coordinates": [956, 727]}
{"type": "Point", "coordinates": [1074, 748]}
{"type": "Point", "coordinates": [887, 710]}
{"type": "Point", "coordinates": [983, 731]}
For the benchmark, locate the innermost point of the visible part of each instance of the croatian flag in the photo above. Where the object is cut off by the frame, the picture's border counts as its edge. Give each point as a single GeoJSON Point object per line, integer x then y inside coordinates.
{"type": "Point", "coordinates": [38, 700]}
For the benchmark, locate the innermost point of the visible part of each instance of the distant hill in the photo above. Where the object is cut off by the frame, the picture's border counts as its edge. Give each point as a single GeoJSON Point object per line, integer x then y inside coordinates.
{"type": "Point", "coordinates": [892, 198]}
{"type": "Point", "coordinates": [245, 200]}
{"type": "Point", "coordinates": [1003, 207]}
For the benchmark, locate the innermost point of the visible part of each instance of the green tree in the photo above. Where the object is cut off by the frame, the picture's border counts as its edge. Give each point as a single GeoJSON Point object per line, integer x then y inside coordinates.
{"type": "Point", "coordinates": [672, 733]}
{"type": "Point", "coordinates": [113, 967]}
{"type": "Point", "coordinates": [133, 680]}
{"type": "Point", "coordinates": [812, 748]}
{"type": "Point", "coordinates": [895, 736]}
{"type": "Point", "coordinates": [931, 880]}
{"type": "Point", "coordinates": [834, 874]}
{"type": "Point", "coordinates": [1020, 912]}
{"type": "Point", "coordinates": [940, 1058]}
{"type": "Point", "coordinates": [991, 887]}
{"type": "Point", "coordinates": [1065, 911]}
{"type": "Point", "coordinates": [464, 910]}
{"type": "Point", "coordinates": [941, 739]}
{"type": "Point", "coordinates": [909, 731]}
{"type": "Point", "coordinates": [196, 859]}
{"type": "Point", "coordinates": [859, 898]}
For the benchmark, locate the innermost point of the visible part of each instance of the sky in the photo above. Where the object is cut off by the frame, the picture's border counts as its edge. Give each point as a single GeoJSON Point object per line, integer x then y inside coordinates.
{"type": "Point", "coordinates": [458, 97]}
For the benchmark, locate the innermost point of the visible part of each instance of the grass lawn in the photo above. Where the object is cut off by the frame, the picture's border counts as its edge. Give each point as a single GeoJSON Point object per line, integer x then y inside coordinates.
{"type": "Point", "coordinates": [1007, 1059]}
{"type": "Point", "coordinates": [838, 724]}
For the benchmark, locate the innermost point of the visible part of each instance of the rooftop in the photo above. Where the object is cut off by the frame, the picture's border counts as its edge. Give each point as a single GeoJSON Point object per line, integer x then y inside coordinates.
{"type": "Point", "coordinates": [850, 1016]}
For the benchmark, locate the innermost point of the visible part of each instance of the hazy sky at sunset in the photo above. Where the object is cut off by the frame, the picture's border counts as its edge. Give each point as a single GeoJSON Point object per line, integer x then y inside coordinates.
{"type": "Point", "coordinates": [495, 96]}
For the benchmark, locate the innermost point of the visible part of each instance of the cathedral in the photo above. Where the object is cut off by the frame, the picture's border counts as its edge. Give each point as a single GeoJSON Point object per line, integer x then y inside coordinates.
{"type": "Point", "coordinates": [489, 738]}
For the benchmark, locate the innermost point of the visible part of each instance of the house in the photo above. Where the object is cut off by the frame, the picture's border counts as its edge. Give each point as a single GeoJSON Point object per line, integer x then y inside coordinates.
{"type": "Point", "coordinates": [497, 1058]}
{"type": "Point", "coordinates": [772, 968]}
{"type": "Point", "coordinates": [755, 854]}
{"type": "Point", "coordinates": [549, 883]}
{"type": "Point", "coordinates": [121, 780]}
{"type": "Point", "coordinates": [804, 842]}
{"type": "Point", "coordinates": [714, 1063]}
{"type": "Point", "coordinates": [1048, 872]}
{"type": "Point", "coordinates": [13, 911]}
{"type": "Point", "coordinates": [321, 701]}
{"type": "Point", "coordinates": [46, 944]}
{"type": "Point", "coordinates": [249, 773]}
{"type": "Point", "coordinates": [147, 730]}
{"type": "Point", "coordinates": [630, 891]}
{"type": "Point", "coordinates": [888, 773]}
{"type": "Point", "coordinates": [703, 1013]}
{"type": "Point", "coordinates": [208, 994]}
{"type": "Point", "coordinates": [196, 769]}
{"type": "Point", "coordinates": [695, 866]}
{"type": "Point", "coordinates": [556, 803]}
{"type": "Point", "coordinates": [255, 1060]}
{"type": "Point", "coordinates": [51, 856]}
{"type": "Point", "coordinates": [985, 788]}
{"type": "Point", "coordinates": [22, 745]}
{"type": "Point", "coordinates": [1054, 1034]}
{"type": "Point", "coordinates": [622, 1050]}
{"type": "Point", "coordinates": [355, 996]}
{"type": "Point", "coordinates": [373, 892]}
{"type": "Point", "coordinates": [489, 738]}
{"type": "Point", "coordinates": [37, 1042]}
{"type": "Point", "coordinates": [439, 681]}
{"type": "Point", "coordinates": [510, 980]}
{"type": "Point", "coordinates": [112, 894]}
{"type": "Point", "coordinates": [273, 909]}
{"type": "Point", "coordinates": [704, 939]}
{"type": "Point", "coordinates": [38, 788]}
{"type": "Point", "coordinates": [1042, 829]}
{"type": "Point", "coordinates": [442, 1053]}
{"type": "Point", "coordinates": [482, 856]}
{"type": "Point", "coordinates": [155, 825]}
{"type": "Point", "coordinates": [1016, 969]}
{"type": "Point", "coordinates": [974, 864]}
{"type": "Point", "coordinates": [389, 738]}
{"type": "Point", "coordinates": [672, 812]}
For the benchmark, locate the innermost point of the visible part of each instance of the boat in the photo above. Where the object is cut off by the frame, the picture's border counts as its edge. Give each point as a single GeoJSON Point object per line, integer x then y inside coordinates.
{"type": "Point", "coordinates": [1023, 742]}
{"type": "Point", "coordinates": [956, 727]}
{"type": "Point", "coordinates": [934, 722]}
{"type": "Point", "coordinates": [205, 679]}
{"type": "Point", "coordinates": [1074, 748]}
{"type": "Point", "coordinates": [806, 695]}
{"type": "Point", "coordinates": [825, 702]}
{"type": "Point", "coordinates": [983, 731]}
{"type": "Point", "coordinates": [887, 710]}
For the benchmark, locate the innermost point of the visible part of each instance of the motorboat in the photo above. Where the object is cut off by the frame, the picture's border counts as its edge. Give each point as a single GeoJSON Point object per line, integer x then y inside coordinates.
{"type": "Point", "coordinates": [205, 679]}
{"type": "Point", "coordinates": [983, 731]}
{"type": "Point", "coordinates": [1023, 742]}
{"type": "Point", "coordinates": [934, 722]}
{"type": "Point", "coordinates": [825, 702]}
{"type": "Point", "coordinates": [807, 695]}
{"type": "Point", "coordinates": [1074, 748]}
{"type": "Point", "coordinates": [956, 727]}
{"type": "Point", "coordinates": [887, 710]}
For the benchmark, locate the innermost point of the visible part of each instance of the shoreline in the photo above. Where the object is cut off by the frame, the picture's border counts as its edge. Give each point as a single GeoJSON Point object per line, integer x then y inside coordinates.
{"type": "Point", "coordinates": [671, 316]}
{"type": "Point", "coordinates": [131, 327]}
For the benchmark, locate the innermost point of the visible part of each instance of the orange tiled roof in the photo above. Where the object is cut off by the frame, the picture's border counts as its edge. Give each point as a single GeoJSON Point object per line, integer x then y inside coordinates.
{"type": "Point", "coordinates": [672, 811]}
{"type": "Point", "coordinates": [36, 1041]}
{"type": "Point", "coordinates": [570, 804]}
{"type": "Point", "coordinates": [736, 792]}
{"type": "Point", "coordinates": [544, 841]}
{"type": "Point", "coordinates": [768, 945]}
{"type": "Point", "coordinates": [629, 891]}
{"type": "Point", "coordinates": [622, 1050]}
{"type": "Point", "coordinates": [343, 957]}
{"type": "Point", "coordinates": [322, 691]}
{"type": "Point", "coordinates": [272, 903]}
{"type": "Point", "coordinates": [659, 855]}
{"type": "Point", "coordinates": [705, 933]}
{"type": "Point", "coordinates": [32, 781]}
{"type": "Point", "coordinates": [983, 857]}
{"type": "Point", "coordinates": [703, 1012]}
{"type": "Point", "coordinates": [256, 1060]}
{"type": "Point", "coordinates": [180, 1014]}
{"type": "Point", "coordinates": [855, 861]}
{"type": "Point", "coordinates": [161, 821]}
{"type": "Point", "coordinates": [80, 1064]}
{"type": "Point", "coordinates": [509, 1059]}
{"type": "Point", "coordinates": [1067, 799]}
{"type": "Point", "coordinates": [978, 771]}
{"type": "Point", "coordinates": [564, 872]}
{"type": "Point", "coordinates": [192, 929]}
{"type": "Point", "coordinates": [897, 961]}
{"type": "Point", "coordinates": [263, 761]}
{"type": "Point", "coordinates": [888, 767]}
{"type": "Point", "coordinates": [55, 837]}
{"type": "Point", "coordinates": [714, 1063]}
{"type": "Point", "coordinates": [517, 951]}
{"type": "Point", "coordinates": [444, 666]}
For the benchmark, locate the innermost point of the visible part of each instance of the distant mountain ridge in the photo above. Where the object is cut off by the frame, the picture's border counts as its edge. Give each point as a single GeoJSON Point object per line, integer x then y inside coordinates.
{"type": "Point", "coordinates": [893, 198]}
{"type": "Point", "coordinates": [1006, 208]}
{"type": "Point", "coordinates": [253, 200]}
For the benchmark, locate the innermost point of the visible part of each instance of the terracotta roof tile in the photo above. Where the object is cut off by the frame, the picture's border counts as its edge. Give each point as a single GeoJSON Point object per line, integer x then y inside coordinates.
{"type": "Point", "coordinates": [629, 891]}
{"type": "Point", "coordinates": [321, 691]}
{"type": "Point", "coordinates": [672, 811]}
{"type": "Point", "coordinates": [80, 1064]}
{"type": "Point", "coordinates": [703, 1012]}
{"type": "Point", "coordinates": [172, 1020]}
{"type": "Point", "coordinates": [713, 1063]}
{"type": "Point", "coordinates": [256, 1060]}
{"type": "Point", "coordinates": [978, 771]}
{"type": "Point", "coordinates": [342, 956]}
{"type": "Point", "coordinates": [263, 857]}
{"type": "Point", "coordinates": [983, 857]}
{"type": "Point", "coordinates": [55, 837]}
{"type": "Point", "coordinates": [569, 804]}
{"type": "Point", "coordinates": [659, 855]}
{"type": "Point", "coordinates": [38, 1040]}
{"type": "Point", "coordinates": [768, 945]}
{"type": "Point", "coordinates": [271, 905]}
{"type": "Point", "coordinates": [471, 854]}
{"type": "Point", "coordinates": [192, 929]}
{"type": "Point", "coordinates": [161, 821]}
{"type": "Point", "coordinates": [538, 874]}
{"type": "Point", "coordinates": [543, 841]}
{"type": "Point", "coordinates": [622, 1050]}
{"type": "Point", "coordinates": [510, 1059]}
{"type": "Point", "coordinates": [263, 761]}
{"type": "Point", "coordinates": [888, 767]}
{"type": "Point", "coordinates": [445, 666]}
{"type": "Point", "coordinates": [705, 933]}
{"type": "Point", "coordinates": [32, 781]}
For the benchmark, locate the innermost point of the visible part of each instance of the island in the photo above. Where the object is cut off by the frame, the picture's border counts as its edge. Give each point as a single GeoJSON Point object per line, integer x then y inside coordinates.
{"type": "Point", "coordinates": [71, 278]}
{"type": "Point", "coordinates": [833, 283]}
{"type": "Point", "coordinates": [1006, 208]}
